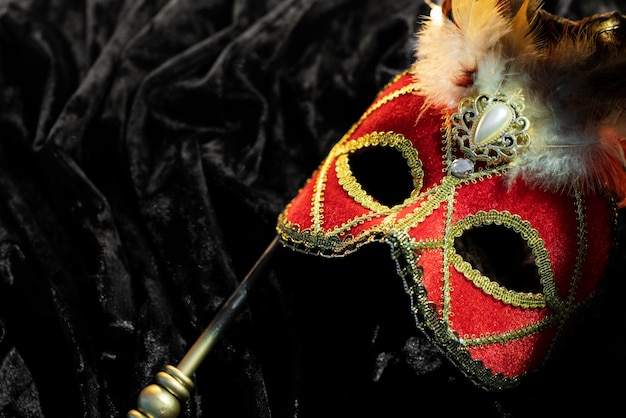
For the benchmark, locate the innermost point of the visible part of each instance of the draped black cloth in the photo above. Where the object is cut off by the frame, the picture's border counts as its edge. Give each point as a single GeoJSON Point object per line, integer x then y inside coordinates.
{"type": "Point", "coordinates": [146, 149]}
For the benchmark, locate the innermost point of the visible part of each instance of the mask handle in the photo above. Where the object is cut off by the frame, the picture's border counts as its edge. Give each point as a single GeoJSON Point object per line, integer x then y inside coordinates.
{"type": "Point", "coordinates": [172, 386]}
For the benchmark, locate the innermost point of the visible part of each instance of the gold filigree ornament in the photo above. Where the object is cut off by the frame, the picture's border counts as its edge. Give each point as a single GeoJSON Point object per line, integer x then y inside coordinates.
{"type": "Point", "coordinates": [490, 129]}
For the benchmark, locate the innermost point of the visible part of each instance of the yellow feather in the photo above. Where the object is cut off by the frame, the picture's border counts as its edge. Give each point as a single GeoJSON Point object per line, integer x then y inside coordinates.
{"type": "Point", "coordinates": [522, 40]}
{"type": "Point", "coordinates": [476, 18]}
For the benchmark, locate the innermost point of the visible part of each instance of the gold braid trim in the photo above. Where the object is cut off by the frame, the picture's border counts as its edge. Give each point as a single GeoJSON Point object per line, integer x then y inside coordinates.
{"type": "Point", "coordinates": [317, 203]}
{"type": "Point", "coordinates": [536, 244]}
{"type": "Point", "coordinates": [377, 139]}
{"type": "Point", "coordinates": [501, 293]}
{"type": "Point", "coordinates": [503, 338]}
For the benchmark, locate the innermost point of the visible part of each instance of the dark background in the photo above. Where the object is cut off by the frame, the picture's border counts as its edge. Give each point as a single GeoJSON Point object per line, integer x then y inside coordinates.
{"type": "Point", "coordinates": [146, 149]}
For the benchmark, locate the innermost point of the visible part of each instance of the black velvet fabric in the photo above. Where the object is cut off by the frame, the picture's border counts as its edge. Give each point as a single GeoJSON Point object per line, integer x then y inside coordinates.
{"type": "Point", "coordinates": [146, 149]}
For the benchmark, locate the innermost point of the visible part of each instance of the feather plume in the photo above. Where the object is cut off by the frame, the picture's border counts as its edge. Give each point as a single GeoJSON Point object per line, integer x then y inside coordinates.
{"type": "Point", "coordinates": [578, 95]}
{"type": "Point", "coordinates": [523, 41]}
{"type": "Point", "coordinates": [569, 75]}
{"type": "Point", "coordinates": [457, 46]}
{"type": "Point", "coordinates": [475, 48]}
{"type": "Point", "coordinates": [482, 22]}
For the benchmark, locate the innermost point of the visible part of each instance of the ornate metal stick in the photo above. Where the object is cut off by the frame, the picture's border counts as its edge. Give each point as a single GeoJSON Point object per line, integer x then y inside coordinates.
{"type": "Point", "coordinates": [172, 386]}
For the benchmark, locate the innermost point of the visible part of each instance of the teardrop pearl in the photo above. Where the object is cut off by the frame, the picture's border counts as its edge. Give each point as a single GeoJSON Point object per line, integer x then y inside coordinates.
{"type": "Point", "coordinates": [493, 123]}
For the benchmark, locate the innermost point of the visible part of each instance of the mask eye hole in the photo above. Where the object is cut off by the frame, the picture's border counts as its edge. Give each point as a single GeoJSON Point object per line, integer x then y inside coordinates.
{"type": "Point", "coordinates": [502, 255]}
{"type": "Point", "coordinates": [383, 173]}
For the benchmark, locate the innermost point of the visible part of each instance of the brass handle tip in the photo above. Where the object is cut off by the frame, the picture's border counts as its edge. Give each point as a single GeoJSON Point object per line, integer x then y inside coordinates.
{"type": "Point", "coordinates": [155, 401]}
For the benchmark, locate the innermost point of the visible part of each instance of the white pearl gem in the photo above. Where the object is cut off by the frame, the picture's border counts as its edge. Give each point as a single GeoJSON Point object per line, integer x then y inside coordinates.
{"type": "Point", "coordinates": [493, 123]}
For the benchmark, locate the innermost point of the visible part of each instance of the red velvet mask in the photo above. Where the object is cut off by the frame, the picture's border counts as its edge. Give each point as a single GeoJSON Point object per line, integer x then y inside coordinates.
{"type": "Point", "coordinates": [494, 258]}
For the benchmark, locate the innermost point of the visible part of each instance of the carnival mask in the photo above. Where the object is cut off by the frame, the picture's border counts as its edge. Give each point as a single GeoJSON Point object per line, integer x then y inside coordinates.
{"type": "Point", "coordinates": [493, 168]}
{"type": "Point", "coordinates": [489, 175]}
